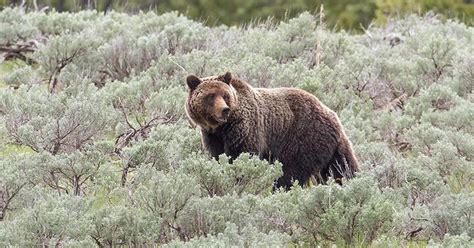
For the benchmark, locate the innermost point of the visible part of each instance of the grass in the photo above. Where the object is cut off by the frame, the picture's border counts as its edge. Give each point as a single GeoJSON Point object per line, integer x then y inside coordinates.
{"type": "Point", "coordinates": [10, 149]}
{"type": "Point", "coordinates": [6, 67]}
{"type": "Point", "coordinates": [457, 183]}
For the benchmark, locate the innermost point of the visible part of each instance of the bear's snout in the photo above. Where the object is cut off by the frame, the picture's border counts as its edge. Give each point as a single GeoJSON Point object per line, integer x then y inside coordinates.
{"type": "Point", "coordinates": [225, 112]}
{"type": "Point", "coordinates": [221, 110]}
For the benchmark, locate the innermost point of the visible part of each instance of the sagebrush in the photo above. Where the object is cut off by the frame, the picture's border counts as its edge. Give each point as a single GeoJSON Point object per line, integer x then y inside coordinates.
{"type": "Point", "coordinates": [96, 149]}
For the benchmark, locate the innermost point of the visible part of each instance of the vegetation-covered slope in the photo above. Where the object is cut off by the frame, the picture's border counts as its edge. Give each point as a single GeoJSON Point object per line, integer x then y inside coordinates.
{"type": "Point", "coordinates": [340, 14]}
{"type": "Point", "coordinates": [96, 149]}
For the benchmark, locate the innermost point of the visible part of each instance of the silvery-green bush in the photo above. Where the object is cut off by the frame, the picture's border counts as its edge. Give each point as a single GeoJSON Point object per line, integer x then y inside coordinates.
{"type": "Point", "coordinates": [96, 149]}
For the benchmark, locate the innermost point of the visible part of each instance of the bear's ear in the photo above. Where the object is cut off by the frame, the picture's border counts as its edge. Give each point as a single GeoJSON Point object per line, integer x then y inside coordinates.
{"type": "Point", "coordinates": [193, 81]}
{"type": "Point", "coordinates": [227, 77]}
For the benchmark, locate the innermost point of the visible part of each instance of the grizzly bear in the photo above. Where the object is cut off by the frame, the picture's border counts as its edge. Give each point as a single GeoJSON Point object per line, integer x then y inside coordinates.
{"type": "Point", "coordinates": [284, 124]}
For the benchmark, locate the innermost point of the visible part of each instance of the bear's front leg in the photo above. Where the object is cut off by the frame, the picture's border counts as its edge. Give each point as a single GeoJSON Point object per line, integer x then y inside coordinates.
{"type": "Point", "coordinates": [213, 144]}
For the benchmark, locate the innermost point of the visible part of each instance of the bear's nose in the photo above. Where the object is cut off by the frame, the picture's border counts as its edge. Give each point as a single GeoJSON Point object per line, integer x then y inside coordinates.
{"type": "Point", "coordinates": [225, 111]}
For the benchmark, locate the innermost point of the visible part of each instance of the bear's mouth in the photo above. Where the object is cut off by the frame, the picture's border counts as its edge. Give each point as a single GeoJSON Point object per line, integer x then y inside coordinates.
{"type": "Point", "coordinates": [217, 120]}
{"type": "Point", "coordinates": [221, 119]}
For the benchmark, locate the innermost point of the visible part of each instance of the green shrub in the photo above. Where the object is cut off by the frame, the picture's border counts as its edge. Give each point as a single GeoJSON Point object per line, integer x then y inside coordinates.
{"type": "Point", "coordinates": [96, 148]}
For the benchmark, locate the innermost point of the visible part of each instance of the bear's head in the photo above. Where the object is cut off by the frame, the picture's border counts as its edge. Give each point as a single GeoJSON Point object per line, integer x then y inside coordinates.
{"type": "Point", "coordinates": [211, 100]}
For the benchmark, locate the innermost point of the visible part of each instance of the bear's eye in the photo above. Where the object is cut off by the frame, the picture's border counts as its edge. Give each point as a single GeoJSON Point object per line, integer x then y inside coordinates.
{"type": "Point", "coordinates": [210, 98]}
{"type": "Point", "coordinates": [226, 98]}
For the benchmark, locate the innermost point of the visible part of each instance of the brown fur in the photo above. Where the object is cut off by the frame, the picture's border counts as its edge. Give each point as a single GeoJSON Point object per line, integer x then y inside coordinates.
{"type": "Point", "coordinates": [284, 124]}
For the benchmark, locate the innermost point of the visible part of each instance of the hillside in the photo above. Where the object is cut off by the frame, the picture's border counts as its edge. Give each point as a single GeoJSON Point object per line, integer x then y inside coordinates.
{"type": "Point", "coordinates": [96, 149]}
